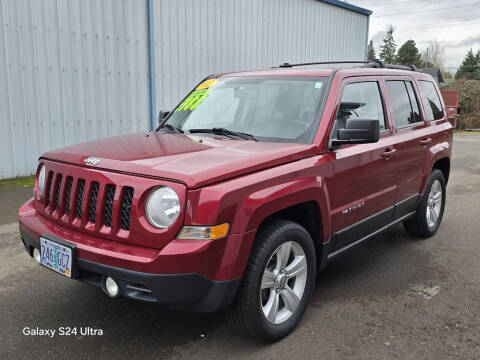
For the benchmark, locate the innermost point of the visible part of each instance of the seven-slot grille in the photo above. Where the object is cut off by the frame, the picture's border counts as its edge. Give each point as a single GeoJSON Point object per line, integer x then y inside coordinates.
{"type": "Point", "coordinates": [69, 197]}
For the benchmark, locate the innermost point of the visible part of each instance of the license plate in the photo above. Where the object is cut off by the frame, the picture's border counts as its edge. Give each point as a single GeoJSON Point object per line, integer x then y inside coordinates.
{"type": "Point", "coordinates": [56, 256]}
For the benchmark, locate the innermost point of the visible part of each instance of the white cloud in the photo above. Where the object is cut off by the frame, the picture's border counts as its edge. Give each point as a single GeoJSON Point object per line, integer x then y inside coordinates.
{"type": "Point", "coordinates": [456, 25]}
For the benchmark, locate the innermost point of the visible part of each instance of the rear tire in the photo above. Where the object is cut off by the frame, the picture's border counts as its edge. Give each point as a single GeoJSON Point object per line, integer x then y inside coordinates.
{"type": "Point", "coordinates": [429, 213]}
{"type": "Point", "coordinates": [277, 283]}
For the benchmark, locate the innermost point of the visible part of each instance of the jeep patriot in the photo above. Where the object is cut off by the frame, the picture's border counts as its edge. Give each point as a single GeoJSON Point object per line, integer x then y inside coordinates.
{"type": "Point", "coordinates": [246, 190]}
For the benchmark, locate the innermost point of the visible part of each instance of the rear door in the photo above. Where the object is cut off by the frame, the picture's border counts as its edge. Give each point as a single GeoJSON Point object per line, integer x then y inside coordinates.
{"type": "Point", "coordinates": [433, 110]}
{"type": "Point", "coordinates": [363, 184]}
{"type": "Point", "coordinates": [412, 140]}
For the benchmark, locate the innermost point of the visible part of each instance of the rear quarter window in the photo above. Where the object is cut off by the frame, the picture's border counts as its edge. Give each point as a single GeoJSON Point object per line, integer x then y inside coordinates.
{"type": "Point", "coordinates": [431, 100]}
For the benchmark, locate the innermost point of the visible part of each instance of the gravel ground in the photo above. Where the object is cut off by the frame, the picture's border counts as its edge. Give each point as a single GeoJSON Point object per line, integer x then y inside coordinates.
{"type": "Point", "coordinates": [393, 298]}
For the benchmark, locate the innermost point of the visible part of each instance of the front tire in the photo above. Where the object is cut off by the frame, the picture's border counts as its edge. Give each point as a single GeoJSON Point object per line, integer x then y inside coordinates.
{"type": "Point", "coordinates": [429, 213]}
{"type": "Point", "coordinates": [277, 283]}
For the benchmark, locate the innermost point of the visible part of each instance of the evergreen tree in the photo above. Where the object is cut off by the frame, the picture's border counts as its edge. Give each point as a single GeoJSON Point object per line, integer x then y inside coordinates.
{"type": "Point", "coordinates": [409, 54]}
{"type": "Point", "coordinates": [387, 53]}
{"type": "Point", "coordinates": [371, 52]}
{"type": "Point", "coordinates": [470, 67]}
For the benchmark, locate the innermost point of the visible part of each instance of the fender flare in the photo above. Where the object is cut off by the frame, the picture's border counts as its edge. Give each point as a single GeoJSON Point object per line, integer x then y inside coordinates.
{"type": "Point", "coordinates": [436, 152]}
{"type": "Point", "coordinates": [265, 202]}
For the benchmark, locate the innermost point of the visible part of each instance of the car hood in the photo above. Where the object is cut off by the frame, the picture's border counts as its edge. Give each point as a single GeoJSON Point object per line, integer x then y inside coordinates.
{"type": "Point", "coordinates": [191, 159]}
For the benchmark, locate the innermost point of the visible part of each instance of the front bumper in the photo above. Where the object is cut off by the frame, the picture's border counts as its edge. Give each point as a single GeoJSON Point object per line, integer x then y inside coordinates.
{"type": "Point", "coordinates": [192, 292]}
{"type": "Point", "coordinates": [199, 276]}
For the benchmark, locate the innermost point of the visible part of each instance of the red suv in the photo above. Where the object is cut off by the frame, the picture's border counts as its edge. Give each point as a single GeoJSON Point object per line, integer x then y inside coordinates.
{"type": "Point", "coordinates": [246, 190]}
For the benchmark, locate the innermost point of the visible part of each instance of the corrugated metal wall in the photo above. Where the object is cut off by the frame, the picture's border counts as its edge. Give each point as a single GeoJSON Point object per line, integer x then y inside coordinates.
{"type": "Point", "coordinates": [76, 70]}
{"type": "Point", "coordinates": [69, 71]}
{"type": "Point", "coordinates": [195, 38]}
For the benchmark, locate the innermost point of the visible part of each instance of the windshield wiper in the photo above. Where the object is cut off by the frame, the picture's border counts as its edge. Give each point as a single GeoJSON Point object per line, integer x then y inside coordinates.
{"type": "Point", "coordinates": [172, 128]}
{"type": "Point", "coordinates": [223, 131]}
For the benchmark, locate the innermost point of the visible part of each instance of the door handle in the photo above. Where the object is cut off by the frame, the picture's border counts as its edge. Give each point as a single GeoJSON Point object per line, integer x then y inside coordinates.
{"type": "Point", "coordinates": [425, 141]}
{"type": "Point", "coordinates": [388, 153]}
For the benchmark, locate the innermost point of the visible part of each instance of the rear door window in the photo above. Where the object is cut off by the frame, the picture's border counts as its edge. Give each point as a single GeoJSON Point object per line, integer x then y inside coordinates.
{"type": "Point", "coordinates": [431, 101]}
{"type": "Point", "coordinates": [404, 103]}
{"type": "Point", "coordinates": [414, 102]}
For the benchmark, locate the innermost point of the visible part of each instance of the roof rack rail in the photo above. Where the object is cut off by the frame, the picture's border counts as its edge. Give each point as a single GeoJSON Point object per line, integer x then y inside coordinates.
{"type": "Point", "coordinates": [288, 65]}
{"type": "Point", "coordinates": [380, 64]}
{"type": "Point", "coordinates": [370, 64]}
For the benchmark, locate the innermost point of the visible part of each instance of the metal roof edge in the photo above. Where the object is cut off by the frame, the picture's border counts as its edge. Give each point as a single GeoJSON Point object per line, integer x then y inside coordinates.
{"type": "Point", "coordinates": [348, 6]}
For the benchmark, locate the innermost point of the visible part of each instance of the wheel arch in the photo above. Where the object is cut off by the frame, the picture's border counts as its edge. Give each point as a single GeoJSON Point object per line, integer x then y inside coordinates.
{"type": "Point", "coordinates": [438, 158]}
{"type": "Point", "coordinates": [308, 215]}
{"type": "Point", "coordinates": [443, 165]}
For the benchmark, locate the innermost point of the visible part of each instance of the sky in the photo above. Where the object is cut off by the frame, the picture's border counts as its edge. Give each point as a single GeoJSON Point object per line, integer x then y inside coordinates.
{"type": "Point", "coordinates": [455, 24]}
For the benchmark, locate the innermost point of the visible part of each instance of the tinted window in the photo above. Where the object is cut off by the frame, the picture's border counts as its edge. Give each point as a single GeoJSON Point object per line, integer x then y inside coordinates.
{"type": "Point", "coordinates": [360, 100]}
{"type": "Point", "coordinates": [404, 112]}
{"type": "Point", "coordinates": [414, 102]}
{"type": "Point", "coordinates": [431, 101]}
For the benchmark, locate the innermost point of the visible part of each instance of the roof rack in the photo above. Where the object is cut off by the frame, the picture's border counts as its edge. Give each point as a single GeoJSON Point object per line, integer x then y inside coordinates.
{"type": "Point", "coordinates": [288, 65]}
{"type": "Point", "coordinates": [369, 64]}
{"type": "Point", "coordinates": [380, 64]}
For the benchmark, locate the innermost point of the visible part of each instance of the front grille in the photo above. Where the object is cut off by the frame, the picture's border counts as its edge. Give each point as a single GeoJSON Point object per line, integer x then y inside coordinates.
{"type": "Point", "coordinates": [48, 186]}
{"type": "Point", "coordinates": [93, 204]}
{"type": "Point", "coordinates": [110, 190]}
{"type": "Point", "coordinates": [57, 190]}
{"type": "Point", "coordinates": [68, 191]}
{"type": "Point", "coordinates": [78, 206]}
{"type": "Point", "coordinates": [126, 208]}
{"type": "Point", "coordinates": [93, 201]}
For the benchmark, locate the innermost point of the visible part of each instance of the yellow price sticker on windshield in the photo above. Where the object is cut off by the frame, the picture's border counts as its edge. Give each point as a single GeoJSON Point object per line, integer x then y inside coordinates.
{"type": "Point", "coordinates": [197, 96]}
{"type": "Point", "coordinates": [206, 84]}
{"type": "Point", "coordinates": [193, 100]}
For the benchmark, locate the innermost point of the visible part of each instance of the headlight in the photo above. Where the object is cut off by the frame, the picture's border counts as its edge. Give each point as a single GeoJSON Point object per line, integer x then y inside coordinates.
{"type": "Point", "coordinates": [162, 207]}
{"type": "Point", "coordinates": [41, 180]}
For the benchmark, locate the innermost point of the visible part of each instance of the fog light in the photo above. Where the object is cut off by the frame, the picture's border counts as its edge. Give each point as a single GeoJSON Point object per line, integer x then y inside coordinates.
{"type": "Point", "coordinates": [37, 256]}
{"type": "Point", "coordinates": [111, 287]}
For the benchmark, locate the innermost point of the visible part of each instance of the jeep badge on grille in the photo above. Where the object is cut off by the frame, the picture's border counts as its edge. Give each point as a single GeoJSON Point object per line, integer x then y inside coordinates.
{"type": "Point", "coordinates": [91, 161]}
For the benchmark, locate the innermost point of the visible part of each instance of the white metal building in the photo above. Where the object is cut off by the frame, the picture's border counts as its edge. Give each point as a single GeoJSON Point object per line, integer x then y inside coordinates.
{"type": "Point", "coordinates": [77, 70]}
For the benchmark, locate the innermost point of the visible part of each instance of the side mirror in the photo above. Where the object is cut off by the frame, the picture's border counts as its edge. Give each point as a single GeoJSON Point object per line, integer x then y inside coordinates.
{"type": "Point", "coordinates": [358, 131]}
{"type": "Point", "coordinates": [162, 115]}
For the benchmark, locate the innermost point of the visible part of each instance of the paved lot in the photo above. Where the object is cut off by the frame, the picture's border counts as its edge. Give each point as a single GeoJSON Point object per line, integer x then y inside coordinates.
{"type": "Point", "coordinates": [393, 298]}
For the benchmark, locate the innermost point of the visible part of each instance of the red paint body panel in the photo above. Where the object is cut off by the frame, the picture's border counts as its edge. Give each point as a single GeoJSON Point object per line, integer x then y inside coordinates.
{"type": "Point", "coordinates": [238, 182]}
{"type": "Point", "coordinates": [216, 260]}
{"type": "Point", "coordinates": [182, 158]}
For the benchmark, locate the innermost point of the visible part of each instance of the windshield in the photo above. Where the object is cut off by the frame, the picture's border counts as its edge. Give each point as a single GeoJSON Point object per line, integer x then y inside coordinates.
{"type": "Point", "coordinates": [271, 108]}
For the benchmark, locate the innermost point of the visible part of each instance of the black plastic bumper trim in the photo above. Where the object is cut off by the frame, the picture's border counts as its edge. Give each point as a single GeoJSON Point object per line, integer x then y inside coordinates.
{"type": "Point", "coordinates": [189, 291]}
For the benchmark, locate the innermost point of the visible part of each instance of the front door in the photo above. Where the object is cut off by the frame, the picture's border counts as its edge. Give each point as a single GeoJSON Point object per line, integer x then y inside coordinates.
{"type": "Point", "coordinates": [363, 184]}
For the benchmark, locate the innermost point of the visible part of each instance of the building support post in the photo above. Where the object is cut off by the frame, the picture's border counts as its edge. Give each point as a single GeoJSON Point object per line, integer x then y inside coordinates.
{"type": "Point", "coordinates": [151, 64]}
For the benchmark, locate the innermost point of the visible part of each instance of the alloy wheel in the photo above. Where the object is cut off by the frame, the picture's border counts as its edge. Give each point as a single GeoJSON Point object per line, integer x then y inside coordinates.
{"type": "Point", "coordinates": [434, 204]}
{"type": "Point", "coordinates": [283, 282]}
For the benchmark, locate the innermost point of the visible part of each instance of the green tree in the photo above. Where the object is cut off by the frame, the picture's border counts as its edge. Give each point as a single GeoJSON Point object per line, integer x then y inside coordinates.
{"type": "Point", "coordinates": [371, 51]}
{"type": "Point", "coordinates": [470, 68]}
{"type": "Point", "coordinates": [387, 53]}
{"type": "Point", "coordinates": [409, 54]}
